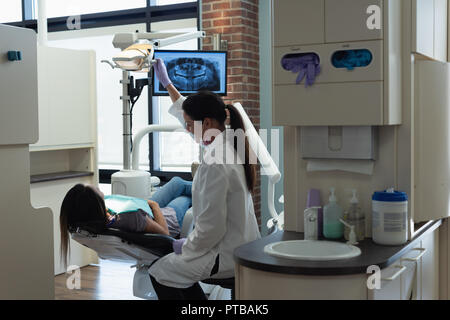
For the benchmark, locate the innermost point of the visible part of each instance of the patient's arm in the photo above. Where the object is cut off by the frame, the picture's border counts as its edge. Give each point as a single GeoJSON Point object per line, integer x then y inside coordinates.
{"type": "Point", "coordinates": [159, 224]}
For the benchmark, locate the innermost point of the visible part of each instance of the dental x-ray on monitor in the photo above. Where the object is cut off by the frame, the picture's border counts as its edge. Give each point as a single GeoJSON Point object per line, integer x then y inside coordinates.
{"type": "Point", "coordinates": [193, 71]}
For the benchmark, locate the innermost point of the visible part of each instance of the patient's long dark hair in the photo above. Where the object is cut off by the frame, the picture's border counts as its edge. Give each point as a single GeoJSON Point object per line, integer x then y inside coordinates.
{"type": "Point", "coordinates": [206, 104]}
{"type": "Point", "coordinates": [81, 207]}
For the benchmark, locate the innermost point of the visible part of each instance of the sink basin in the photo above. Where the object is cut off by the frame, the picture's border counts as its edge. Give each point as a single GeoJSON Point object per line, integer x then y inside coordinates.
{"type": "Point", "coordinates": [312, 250]}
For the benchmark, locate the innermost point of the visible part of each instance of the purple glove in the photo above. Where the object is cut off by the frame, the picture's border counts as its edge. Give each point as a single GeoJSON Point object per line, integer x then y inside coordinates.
{"type": "Point", "coordinates": [177, 245]}
{"type": "Point", "coordinates": [161, 73]}
{"type": "Point", "coordinates": [307, 66]}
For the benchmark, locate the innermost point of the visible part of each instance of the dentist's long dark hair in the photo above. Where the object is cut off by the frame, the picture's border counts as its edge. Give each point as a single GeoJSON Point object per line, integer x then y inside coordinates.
{"type": "Point", "coordinates": [206, 104]}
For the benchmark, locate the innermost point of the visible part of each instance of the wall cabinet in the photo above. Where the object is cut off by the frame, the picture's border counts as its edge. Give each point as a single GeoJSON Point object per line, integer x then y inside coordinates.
{"type": "Point", "coordinates": [363, 88]}
{"type": "Point", "coordinates": [432, 121]}
{"type": "Point", "coordinates": [346, 20]}
{"type": "Point", "coordinates": [299, 22]}
{"type": "Point", "coordinates": [66, 116]}
{"type": "Point", "coordinates": [430, 28]}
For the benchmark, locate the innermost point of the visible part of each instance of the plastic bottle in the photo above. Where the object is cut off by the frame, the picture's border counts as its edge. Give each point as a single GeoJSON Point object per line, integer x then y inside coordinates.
{"type": "Point", "coordinates": [355, 217]}
{"type": "Point", "coordinates": [332, 213]}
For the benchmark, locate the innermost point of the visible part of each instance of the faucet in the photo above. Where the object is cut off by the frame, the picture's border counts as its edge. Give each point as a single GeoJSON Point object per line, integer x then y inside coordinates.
{"type": "Point", "coordinates": [352, 236]}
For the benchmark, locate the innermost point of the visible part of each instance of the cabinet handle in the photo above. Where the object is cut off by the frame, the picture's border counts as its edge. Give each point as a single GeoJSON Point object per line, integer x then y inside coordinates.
{"type": "Point", "coordinates": [395, 276]}
{"type": "Point", "coordinates": [422, 252]}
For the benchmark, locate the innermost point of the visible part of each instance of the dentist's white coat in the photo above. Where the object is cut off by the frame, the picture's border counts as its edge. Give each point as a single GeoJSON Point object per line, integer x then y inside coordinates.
{"type": "Point", "coordinates": [224, 219]}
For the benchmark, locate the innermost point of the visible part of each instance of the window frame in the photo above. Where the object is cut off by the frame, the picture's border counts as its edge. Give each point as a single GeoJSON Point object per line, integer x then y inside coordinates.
{"type": "Point", "coordinates": [148, 15]}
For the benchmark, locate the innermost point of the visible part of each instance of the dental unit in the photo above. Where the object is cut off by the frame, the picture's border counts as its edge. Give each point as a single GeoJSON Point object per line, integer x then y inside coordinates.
{"type": "Point", "coordinates": [137, 56]}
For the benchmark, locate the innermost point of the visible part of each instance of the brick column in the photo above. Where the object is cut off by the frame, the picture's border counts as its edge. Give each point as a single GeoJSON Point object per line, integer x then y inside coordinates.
{"type": "Point", "coordinates": [237, 22]}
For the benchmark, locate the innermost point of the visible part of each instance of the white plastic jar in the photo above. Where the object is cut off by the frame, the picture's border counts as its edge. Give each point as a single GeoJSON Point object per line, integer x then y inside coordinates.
{"type": "Point", "coordinates": [390, 217]}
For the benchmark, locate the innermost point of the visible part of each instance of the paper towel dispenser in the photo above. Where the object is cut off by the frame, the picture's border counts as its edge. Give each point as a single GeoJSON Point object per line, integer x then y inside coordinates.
{"type": "Point", "coordinates": [354, 143]}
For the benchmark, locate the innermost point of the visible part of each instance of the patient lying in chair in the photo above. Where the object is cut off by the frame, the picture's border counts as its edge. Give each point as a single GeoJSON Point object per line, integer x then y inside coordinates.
{"type": "Point", "coordinates": [85, 205]}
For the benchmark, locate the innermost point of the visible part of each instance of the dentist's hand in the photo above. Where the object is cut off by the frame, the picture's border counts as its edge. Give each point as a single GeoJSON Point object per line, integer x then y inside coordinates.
{"type": "Point", "coordinates": [161, 72]}
{"type": "Point", "coordinates": [177, 245]}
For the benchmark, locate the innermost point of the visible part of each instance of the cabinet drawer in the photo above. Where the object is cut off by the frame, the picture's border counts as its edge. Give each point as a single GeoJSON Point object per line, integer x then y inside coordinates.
{"type": "Point", "coordinates": [329, 104]}
{"type": "Point", "coordinates": [346, 20]}
{"type": "Point", "coordinates": [298, 22]}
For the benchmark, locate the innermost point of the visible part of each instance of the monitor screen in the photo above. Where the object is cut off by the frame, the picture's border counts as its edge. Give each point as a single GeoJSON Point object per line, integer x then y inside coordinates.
{"type": "Point", "coordinates": [193, 71]}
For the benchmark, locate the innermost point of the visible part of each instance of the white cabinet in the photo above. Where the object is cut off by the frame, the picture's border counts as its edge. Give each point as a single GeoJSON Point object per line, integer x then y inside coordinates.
{"type": "Point", "coordinates": [360, 78]}
{"type": "Point", "coordinates": [346, 20]}
{"type": "Point", "coordinates": [18, 92]}
{"type": "Point", "coordinates": [66, 152]}
{"type": "Point", "coordinates": [67, 96]}
{"type": "Point", "coordinates": [390, 284]}
{"type": "Point", "coordinates": [413, 276]}
{"type": "Point", "coordinates": [432, 122]}
{"type": "Point", "coordinates": [430, 28]}
{"type": "Point", "coordinates": [26, 242]}
{"type": "Point", "coordinates": [401, 280]}
{"type": "Point", "coordinates": [298, 22]}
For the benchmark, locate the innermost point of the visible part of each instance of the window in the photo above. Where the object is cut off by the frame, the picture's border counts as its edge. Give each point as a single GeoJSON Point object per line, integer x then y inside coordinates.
{"type": "Point", "coordinates": [11, 12]}
{"type": "Point", "coordinates": [166, 2]}
{"type": "Point", "coordinates": [58, 8]}
{"type": "Point", "coordinates": [175, 151]}
{"type": "Point", "coordinates": [166, 154]}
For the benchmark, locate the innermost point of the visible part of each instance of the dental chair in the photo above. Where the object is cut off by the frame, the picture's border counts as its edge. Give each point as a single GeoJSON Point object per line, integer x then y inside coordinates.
{"type": "Point", "coordinates": [140, 249]}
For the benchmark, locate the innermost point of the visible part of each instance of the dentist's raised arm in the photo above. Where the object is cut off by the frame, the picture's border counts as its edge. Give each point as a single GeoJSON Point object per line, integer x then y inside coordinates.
{"type": "Point", "coordinates": [177, 99]}
{"type": "Point", "coordinates": [163, 77]}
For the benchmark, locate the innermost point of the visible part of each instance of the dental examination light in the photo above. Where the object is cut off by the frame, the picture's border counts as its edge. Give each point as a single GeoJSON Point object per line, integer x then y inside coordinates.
{"type": "Point", "coordinates": [137, 56]}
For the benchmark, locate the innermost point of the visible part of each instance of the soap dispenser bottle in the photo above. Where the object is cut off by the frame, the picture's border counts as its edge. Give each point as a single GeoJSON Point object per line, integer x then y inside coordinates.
{"type": "Point", "coordinates": [332, 214]}
{"type": "Point", "coordinates": [354, 216]}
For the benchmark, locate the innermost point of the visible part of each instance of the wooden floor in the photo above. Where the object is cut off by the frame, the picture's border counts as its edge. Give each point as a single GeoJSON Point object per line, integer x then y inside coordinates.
{"type": "Point", "coordinates": [106, 281]}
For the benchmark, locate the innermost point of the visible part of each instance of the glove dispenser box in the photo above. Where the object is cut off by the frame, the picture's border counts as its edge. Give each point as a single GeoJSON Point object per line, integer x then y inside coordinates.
{"type": "Point", "coordinates": [359, 83]}
{"type": "Point", "coordinates": [343, 93]}
{"type": "Point", "coordinates": [333, 73]}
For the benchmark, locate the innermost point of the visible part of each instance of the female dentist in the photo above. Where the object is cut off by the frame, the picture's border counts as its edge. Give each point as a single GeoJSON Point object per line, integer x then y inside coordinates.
{"type": "Point", "coordinates": [221, 199]}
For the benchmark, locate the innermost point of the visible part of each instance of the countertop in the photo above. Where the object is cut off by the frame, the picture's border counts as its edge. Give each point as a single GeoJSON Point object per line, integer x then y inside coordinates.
{"type": "Point", "coordinates": [252, 255]}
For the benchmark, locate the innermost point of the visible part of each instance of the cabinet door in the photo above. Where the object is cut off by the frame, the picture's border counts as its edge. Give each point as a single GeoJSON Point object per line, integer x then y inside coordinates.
{"type": "Point", "coordinates": [423, 27]}
{"type": "Point", "coordinates": [298, 22]}
{"type": "Point", "coordinates": [18, 90]}
{"type": "Point", "coordinates": [411, 278]}
{"type": "Point", "coordinates": [391, 283]}
{"type": "Point", "coordinates": [67, 109]}
{"type": "Point", "coordinates": [432, 120]}
{"type": "Point", "coordinates": [430, 267]}
{"type": "Point", "coordinates": [346, 20]}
